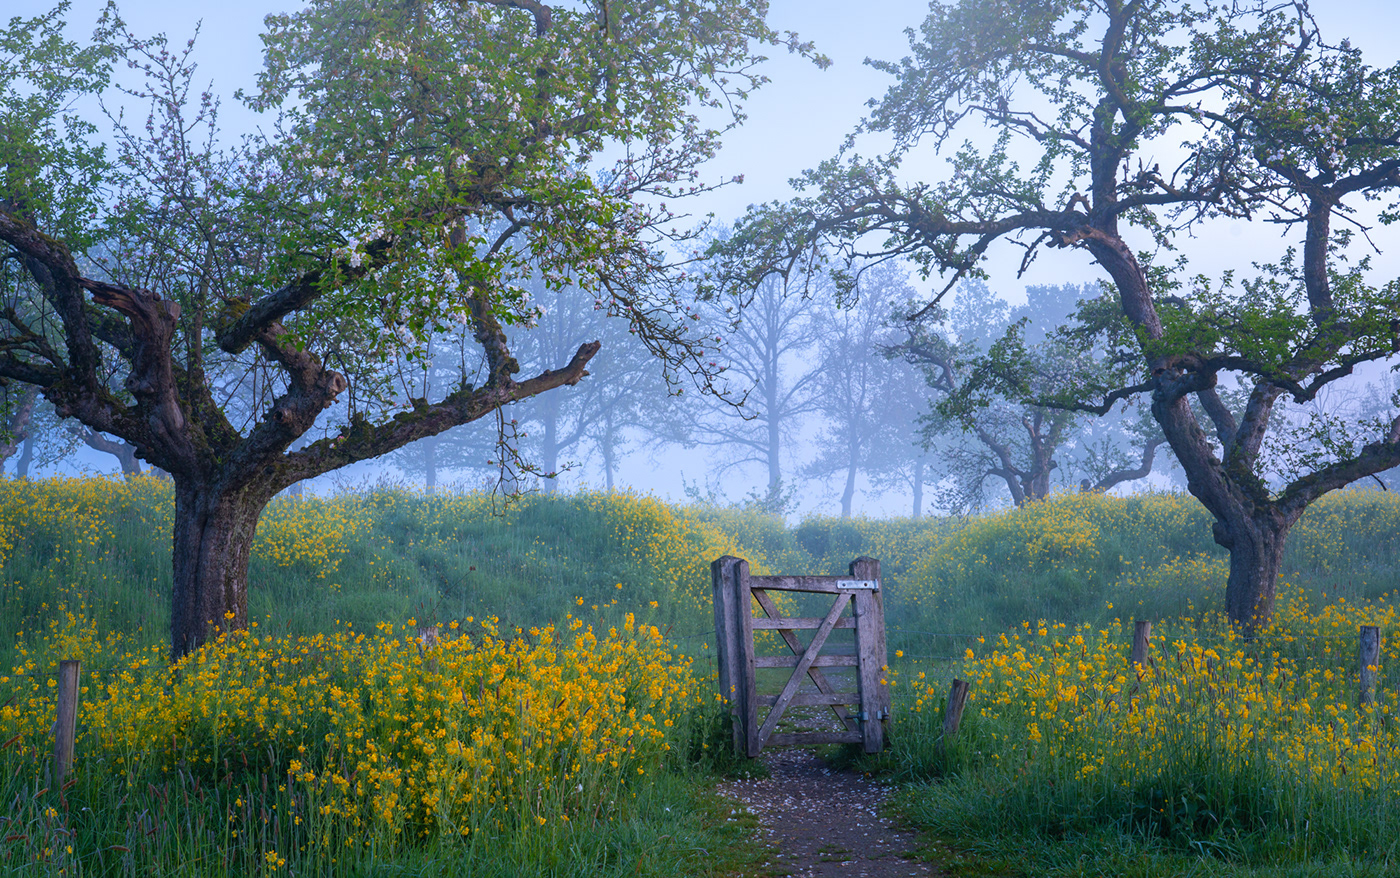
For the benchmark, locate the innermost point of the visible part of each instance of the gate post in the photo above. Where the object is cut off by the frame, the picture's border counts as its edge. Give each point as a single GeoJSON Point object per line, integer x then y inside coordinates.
{"type": "Point", "coordinates": [729, 654]}
{"type": "Point", "coordinates": [870, 645]}
{"type": "Point", "coordinates": [743, 597]}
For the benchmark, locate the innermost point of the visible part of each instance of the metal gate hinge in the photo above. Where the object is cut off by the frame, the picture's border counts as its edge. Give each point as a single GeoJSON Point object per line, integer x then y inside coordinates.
{"type": "Point", "coordinates": [872, 584]}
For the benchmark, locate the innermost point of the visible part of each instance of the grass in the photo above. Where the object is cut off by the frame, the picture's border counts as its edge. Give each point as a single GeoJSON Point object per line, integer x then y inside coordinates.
{"type": "Point", "coordinates": [558, 753]}
{"type": "Point", "coordinates": [1227, 757]}
{"type": "Point", "coordinates": [326, 741]}
{"type": "Point", "coordinates": [83, 560]}
{"type": "Point", "coordinates": [182, 827]}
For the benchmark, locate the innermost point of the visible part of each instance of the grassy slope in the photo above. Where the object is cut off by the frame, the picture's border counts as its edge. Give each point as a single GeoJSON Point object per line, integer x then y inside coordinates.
{"type": "Point", "coordinates": [395, 556]}
{"type": "Point", "coordinates": [100, 550]}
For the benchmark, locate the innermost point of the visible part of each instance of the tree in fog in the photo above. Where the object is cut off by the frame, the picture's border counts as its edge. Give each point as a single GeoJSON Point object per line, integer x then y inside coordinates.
{"type": "Point", "coordinates": [1273, 123]}
{"type": "Point", "coordinates": [539, 437]}
{"type": "Point", "coordinates": [627, 394]}
{"type": "Point", "coordinates": [427, 158]}
{"type": "Point", "coordinates": [857, 431]}
{"type": "Point", "coordinates": [442, 365]}
{"type": "Point", "coordinates": [36, 436]}
{"type": "Point", "coordinates": [17, 402]}
{"type": "Point", "coordinates": [1381, 398]}
{"type": "Point", "coordinates": [979, 418]}
{"type": "Point", "coordinates": [769, 382]}
{"type": "Point", "coordinates": [899, 458]}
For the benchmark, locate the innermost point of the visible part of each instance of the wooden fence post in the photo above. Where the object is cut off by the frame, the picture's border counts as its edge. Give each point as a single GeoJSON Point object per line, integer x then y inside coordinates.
{"type": "Point", "coordinates": [728, 652]}
{"type": "Point", "coordinates": [748, 668]}
{"type": "Point", "coordinates": [869, 611]}
{"type": "Point", "coordinates": [65, 727]}
{"type": "Point", "coordinates": [952, 714]}
{"type": "Point", "coordinates": [1370, 660]}
{"type": "Point", "coordinates": [1142, 637]}
{"type": "Point", "coordinates": [427, 639]}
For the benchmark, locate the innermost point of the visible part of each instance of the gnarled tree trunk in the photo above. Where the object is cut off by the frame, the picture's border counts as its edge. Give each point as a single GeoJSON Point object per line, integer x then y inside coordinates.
{"type": "Point", "coordinates": [1256, 557]}
{"type": "Point", "coordinates": [214, 530]}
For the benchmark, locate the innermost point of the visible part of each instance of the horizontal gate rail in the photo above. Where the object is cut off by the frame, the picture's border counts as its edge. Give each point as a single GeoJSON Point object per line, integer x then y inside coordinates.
{"type": "Point", "coordinates": [790, 624]}
{"type": "Point", "coordinates": [813, 699]}
{"type": "Point", "coordinates": [822, 661]}
{"type": "Point", "coordinates": [814, 739]}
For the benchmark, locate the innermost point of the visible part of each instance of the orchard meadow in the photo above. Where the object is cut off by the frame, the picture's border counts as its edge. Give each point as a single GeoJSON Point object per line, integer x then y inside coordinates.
{"type": "Point", "coordinates": [462, 684]}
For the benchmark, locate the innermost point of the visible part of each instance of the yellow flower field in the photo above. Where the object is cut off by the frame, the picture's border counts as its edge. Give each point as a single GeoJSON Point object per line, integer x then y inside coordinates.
{"type": "Point", "coordinates": [1214, 736]}
{"type": "Point", "coordinates": [314, 739]}
{"type": "Point", "coordinates": [376, 736]}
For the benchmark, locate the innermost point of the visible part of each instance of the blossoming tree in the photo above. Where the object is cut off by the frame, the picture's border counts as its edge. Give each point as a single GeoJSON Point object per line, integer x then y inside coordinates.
{"type": "Point", "coordinates": [1118, 125]}
{"type": "Point", "coordinates": [425, 157]}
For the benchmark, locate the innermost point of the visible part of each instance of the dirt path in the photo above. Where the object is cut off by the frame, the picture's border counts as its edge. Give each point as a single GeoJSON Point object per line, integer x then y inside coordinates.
{"type": "Point", "coordinates": [822, 822]}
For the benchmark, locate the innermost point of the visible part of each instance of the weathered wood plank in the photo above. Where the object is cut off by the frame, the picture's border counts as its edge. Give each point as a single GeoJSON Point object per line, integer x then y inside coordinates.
{"type": "Point", "coordinates": [783, 622]}
{"type": "Point", "coordinates": [790, 661]}
{"type": "Point", "coordinates": [728, 651]}
{"type": "Point", "coordinates": [65, 725]}
{"type": "Point", "coordinates": [1370, 660]}
{"type": "Point", "coordinates": [823, 584]}
{"type": "Point", "coordinates": [1142, 641]}
{"type": "Point", "coordinates": [744, 598]}
{"type": "Point", "coordinates": [877, 603]}
{"type": "Point", "coordinates": [812, 739]}
{"type": "Point", "coordinates": [813, 699]}
{"type": "Point", "coordinates": [870, 647]}
{"type": "Point", "coordinates": [770, 724]}
{"type": "Point", "coordinates": [953, 711]}
{"type": "Point", "coordinates": [813, 673]}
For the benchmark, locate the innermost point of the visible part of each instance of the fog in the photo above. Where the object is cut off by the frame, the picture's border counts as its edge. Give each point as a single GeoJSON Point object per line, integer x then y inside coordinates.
{"type": "Point", "coordinates": [799, 119]}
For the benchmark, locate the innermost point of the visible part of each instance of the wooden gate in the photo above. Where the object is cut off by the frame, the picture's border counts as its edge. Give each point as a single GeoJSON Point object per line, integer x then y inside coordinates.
{"type": "Point", "coordinates": [736, 594]}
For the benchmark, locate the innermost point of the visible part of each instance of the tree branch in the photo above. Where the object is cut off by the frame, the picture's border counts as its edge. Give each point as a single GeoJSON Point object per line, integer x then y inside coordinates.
{"type": "Point", "coordinates": [1220, 415]}
{"type": "Point", "coordinates": [364, 441]}
{"type": "Point", "coordinates": [51, 265]}
{"type": "Point", "coordinates": [1374, 458]}
{"type": "Point", "coordinates": [1149, 454]}
{"type": "Point", "coordinates": [1110, 399]}
{"type": "Point", "coordinates": [260, 315]}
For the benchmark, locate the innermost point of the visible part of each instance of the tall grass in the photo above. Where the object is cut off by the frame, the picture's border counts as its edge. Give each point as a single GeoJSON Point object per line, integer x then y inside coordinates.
{"type": "Point", "coordinates": [1245, 754]}
{"type": "Point", "coordinates": [1219, 757]}
{"type": "Point", "coordinates": [329, 741]}
{"type": "Point", "coordinates": [334, 753]}
{"type": "Point", "coordinates": [1229, 755]}
{"type": "Point", "coordinates": [1089, 558]}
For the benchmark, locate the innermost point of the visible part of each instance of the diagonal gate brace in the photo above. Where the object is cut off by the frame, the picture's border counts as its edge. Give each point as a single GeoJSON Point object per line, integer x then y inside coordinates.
{"type": "Point", "coordinates": [804, 665]}
{"type": "Point", "coordinates": [818, 678]}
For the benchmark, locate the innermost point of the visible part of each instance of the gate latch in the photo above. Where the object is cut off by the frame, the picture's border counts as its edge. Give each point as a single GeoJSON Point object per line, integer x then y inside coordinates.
{"type": "Point", "coordinates": [872, 584]}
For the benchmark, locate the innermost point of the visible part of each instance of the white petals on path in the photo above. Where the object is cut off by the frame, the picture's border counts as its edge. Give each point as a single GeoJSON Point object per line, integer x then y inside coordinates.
{"type": "Point", "coordinates": [822, 822]}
